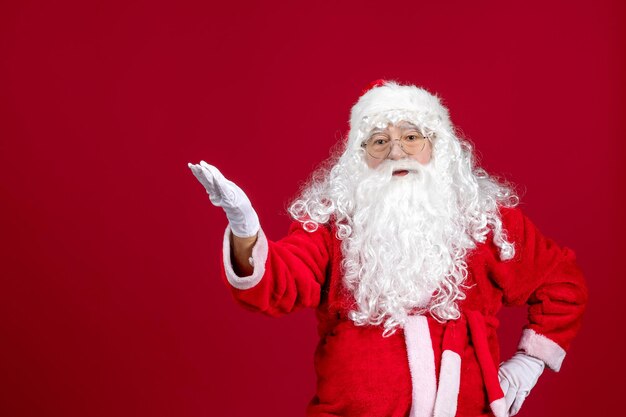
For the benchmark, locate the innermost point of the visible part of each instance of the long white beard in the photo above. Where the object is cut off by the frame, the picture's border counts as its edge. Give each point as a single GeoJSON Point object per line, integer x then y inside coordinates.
{"type": "Point", "coordinates": [407, 250]}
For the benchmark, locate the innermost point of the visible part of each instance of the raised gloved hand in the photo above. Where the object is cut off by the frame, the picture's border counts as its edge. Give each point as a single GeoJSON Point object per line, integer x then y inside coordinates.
{"type": "Point", "coordinates": [517, 377]}
{"type": "Point", "coordinates": [223, 193]}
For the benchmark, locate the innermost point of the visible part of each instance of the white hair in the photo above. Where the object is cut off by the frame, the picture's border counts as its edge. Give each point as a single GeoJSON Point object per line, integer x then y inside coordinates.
{"type": "Point", "coordinates": [461, 197]}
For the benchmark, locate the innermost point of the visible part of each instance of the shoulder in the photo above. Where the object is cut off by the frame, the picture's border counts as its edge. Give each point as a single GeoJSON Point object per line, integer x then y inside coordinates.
{"type": "Point", "coordinates": [515, 223]}
{"type": "Point", "coordinates": [512, 216]}
{"type": "Point", "coordinates": [307, 230]}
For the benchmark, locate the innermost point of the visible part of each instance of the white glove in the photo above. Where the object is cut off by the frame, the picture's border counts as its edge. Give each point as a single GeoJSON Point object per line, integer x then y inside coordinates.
{"type": "Point", "coordinates": [223, 193]}
{"type": "Point", "coordinates": [517, 377]}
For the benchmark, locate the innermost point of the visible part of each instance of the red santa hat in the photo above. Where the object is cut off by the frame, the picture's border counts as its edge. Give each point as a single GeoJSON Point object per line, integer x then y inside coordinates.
{"type": "Point", "coordinates": [387, 101]}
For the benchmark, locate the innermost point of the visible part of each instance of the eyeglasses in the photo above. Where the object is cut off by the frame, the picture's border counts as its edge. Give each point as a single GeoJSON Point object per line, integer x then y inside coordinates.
{"type": "Point", "coordinates": [379, 144]}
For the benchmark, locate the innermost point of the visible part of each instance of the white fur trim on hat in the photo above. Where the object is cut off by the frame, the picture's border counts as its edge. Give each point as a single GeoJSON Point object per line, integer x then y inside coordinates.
{"type": "Point", "coordinates": [390, 97]}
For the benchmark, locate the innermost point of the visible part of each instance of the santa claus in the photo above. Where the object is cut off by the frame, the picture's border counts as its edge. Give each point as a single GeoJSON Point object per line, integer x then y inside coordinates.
{"type": "Point", "coordinates": [407, 250]}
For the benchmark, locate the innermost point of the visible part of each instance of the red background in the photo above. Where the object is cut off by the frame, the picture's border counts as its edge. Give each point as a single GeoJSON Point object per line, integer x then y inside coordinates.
{"type": "Point", "coordinates": [110, 299]}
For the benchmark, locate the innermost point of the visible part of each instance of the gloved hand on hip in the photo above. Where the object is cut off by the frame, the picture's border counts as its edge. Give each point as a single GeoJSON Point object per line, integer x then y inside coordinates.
{"type": "Point", "coordinates": [223, 193]}
{"type": "Point", "coordinates": [517, 377]}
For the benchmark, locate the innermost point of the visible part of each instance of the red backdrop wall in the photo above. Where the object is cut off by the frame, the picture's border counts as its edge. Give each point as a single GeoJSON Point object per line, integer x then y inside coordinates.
{"type": "Point", "coordinates": [110, 299]}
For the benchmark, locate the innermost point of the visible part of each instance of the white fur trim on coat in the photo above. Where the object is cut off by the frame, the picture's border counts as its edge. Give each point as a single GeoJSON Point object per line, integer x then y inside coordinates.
{"type": "Point", "coordinates": [422, 366]}
{"type": "Point", "coordinates": [540, 347]}
{"type": "Point", "coordinates": [259, 256]}
{"type": "Point", "coordinates": [498, 408]}
{"type": "Point", "coordinates": [449, 382]}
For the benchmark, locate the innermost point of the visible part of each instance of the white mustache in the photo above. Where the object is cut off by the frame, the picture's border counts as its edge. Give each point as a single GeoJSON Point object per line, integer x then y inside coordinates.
{"type": "Point", "coordinates": [388, 167]}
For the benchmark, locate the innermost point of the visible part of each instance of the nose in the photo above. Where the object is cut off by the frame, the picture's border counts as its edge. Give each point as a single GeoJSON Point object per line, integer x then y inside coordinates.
{"type": "Point", "coordinates": [396, 151]}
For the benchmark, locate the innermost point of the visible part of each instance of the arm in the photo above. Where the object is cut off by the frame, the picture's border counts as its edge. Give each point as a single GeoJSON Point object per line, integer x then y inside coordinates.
{"type": "Point", "coordinates": [285, 275]}
{"type": "Point", "coordinates": [242, 219]}
{"type": "Point", "coordinates": [272, 277]}
{"type": "Point", "coordinates": [241, 248]}
{"type": "Point", "coordinates": [546, 277]}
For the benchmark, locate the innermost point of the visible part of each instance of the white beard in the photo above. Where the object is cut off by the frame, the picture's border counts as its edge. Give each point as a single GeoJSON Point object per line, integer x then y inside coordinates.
{"type": "Point", "coordinates": [407, 247]}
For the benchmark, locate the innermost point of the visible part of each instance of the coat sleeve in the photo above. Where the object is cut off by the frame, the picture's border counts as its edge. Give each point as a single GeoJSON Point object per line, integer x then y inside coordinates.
{"type": "Point", "coordinates": [546, 278]}
{"type": "Point", "coordinates": [288, 274]}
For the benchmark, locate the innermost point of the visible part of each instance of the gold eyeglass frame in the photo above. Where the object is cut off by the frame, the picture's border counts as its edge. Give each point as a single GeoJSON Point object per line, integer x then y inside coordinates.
{"type": "Point", "coordinates": [364, 146]}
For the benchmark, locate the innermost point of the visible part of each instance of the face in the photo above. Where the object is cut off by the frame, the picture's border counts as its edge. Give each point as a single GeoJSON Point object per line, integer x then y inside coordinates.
{"type": "Point", "coordinates": [401, 130]}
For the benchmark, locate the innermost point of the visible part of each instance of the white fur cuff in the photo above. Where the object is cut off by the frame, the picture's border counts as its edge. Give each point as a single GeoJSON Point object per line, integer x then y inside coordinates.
{"type": "Point", "coordinates": [540, 347]}
{"type": "Point", "coordinates": [259, 256]}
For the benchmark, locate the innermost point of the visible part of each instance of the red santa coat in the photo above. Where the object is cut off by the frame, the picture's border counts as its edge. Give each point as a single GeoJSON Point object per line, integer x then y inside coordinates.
{"type": "Point", "coordinates": [451, 368]}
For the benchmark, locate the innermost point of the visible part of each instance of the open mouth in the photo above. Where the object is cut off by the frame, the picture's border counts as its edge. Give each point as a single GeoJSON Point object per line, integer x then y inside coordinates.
{"type": "Point", "coordinates": [401, 172]}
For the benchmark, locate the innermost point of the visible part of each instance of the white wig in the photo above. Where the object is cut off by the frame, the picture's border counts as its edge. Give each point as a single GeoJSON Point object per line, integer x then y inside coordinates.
{"type": "Point", "coordinates": [476, 196]}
